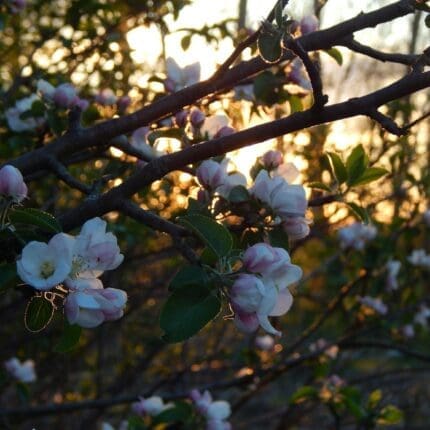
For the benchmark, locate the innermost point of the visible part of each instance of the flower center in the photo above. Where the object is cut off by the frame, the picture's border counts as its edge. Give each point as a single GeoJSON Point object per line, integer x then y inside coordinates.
{"type": "Point", "coordinates": [47, 269]}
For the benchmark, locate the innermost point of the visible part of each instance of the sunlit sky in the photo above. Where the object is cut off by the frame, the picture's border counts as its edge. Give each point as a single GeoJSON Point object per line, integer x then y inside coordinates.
{"type": "Point", "coordinates": [146, 43]}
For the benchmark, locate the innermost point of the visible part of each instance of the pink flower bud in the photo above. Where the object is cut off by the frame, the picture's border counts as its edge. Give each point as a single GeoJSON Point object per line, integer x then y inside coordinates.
{"type": "Point", "coordinates": [309, 24]}
{"type": "Point", "coordinates": [181, 118]}
{"type": "Point", "coordinates": [296, 227]}
{"type": "Point", "coordinates": [211, 174]}
{"type": "Point", "coordinates": [12, 183]}
{"type": "Point", "coordinates": [106, 97]}
{"type": "Point", "coordinates": [169, 85]}
{"type": "Point", "coordinates": [224, 131]}
{"type": "Point", "coordinates": [64, 95]}
{"type": "Point", "coordinates": [197, 118]}
{"type": "Point", "coordinates": [82, 104]}
{"type": "Point", "coordinates": [123, 103]}
{"type": "Point", "coordinates": [272, 159]}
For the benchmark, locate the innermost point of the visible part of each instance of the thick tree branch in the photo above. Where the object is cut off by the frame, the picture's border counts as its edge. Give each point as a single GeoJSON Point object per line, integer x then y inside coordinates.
{"type": "Point", "coordinates": [298, 121]}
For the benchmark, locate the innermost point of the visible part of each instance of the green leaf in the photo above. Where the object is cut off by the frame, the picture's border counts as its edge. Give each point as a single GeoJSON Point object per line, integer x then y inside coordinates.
{"type": "Point", "coordinates": [338, 167]}
{"type": "Point", "coordinates": [360, 212]}
{"type": "Point", "coordinates": [38, 108]}
{"type": "Point", "coordinates": [38, 314]}
{"type": "Point", "coordinates": [187, 311]}
{"type": "Point", "coordinates": [303, 393]}
{"type": "Point", "coordinates": [319, 186]}
{"type": "Point", "coordinates": [370, 174]}
{"type": "Point", "coordinates": [278, 13]}
{"type": "Point", "coordinates": [189, 275]}
{"type": "Point", "coordinates": [390, 415]}
{"type": "Point", "coordinates": [354, 407]}
{"type": "Point", "coordinates": [335, 54]}
{"type": "Point", "coordinates": [56, 123]}
{"type": "Point", "coordinates": [238, 194]}
{"type": "Point", "coordinates": [374, 398]}
{"type": "Point", "coordinates": [214, 235]}
{"type": "Point", "coordinates": [356, 164]}
{"type": "Point", "coordinates": [136, 423]}
{"type": "Point", "coordinates": [185, 42]}
{"type": "Point", "coordinates": [181, 412]}
{"type": "Point", "coordinates": [8, 276]}
{"type": "Point", "coordinates": [31, 216]}
{"type": "Point", "coordinates": [296, 104]}
{"type": "Point", "coordinates": [69, 339]}
{"type": "Point", "coordinates": [269, 45]}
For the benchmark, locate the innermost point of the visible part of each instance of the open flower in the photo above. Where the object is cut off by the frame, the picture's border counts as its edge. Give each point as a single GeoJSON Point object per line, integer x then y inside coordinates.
{"type": "Point", "coordinates": [23, 372]}
{"type": "Point", "coordinates": [216, 412]}
{"type": "Point", "coordinates": [286, 200]}
{"type": "Point", "coordinates": [356, 235]}
{"type": "Point", "coordinates": [12, 183]}
{"type": "Point", "coordinates": [90, 307]}
{"type": "Point", "coordinates": [151, 406]}
{"type": "Point", "coordinates": [178, 78]}
{"type": "Point", "coordinates": [43, 266]}
{"type": "Point", "coordinates": [95, 250]}
{"type": "Point", "coordinates": [13, 115]}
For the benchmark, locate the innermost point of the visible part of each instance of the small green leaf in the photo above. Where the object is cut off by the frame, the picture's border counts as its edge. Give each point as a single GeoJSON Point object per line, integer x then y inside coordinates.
{"type": "Point", "coordinates": [335, 54]}
{"type": "Point", "coordinates": [189, 275]}
{"type": "Point", "coordinates": [38, 108]}
{"type": "Point", "coordinates": [374, 398]}
{"type": "Point", "coordinates": [356, 164]}
{"type": "Point", "coordinates": [359, 212]}
{"type": "Point", "coordinates": [38, 314]}
{"type": "Point", "coordinates": [185, 42]}
{"type": "Point", "coordinates": [136, 423]}
{"type": "Point", "coordinates": [214, 235]}
{"type": "Point", "coordinates": [319, 186]}
{"type": "Point", "coordinates": [187, 311]}
{"type": "Point", "coordinates": [278, 13]}
{"type": "Point", "coordinates": [69, 339]}
{"type": "Point", "coordinates": [295, 102]}
{"type": "Point", "coordinates": [370, 174]}
{"type": "Point", "coordinates": [303, 393]}
{"type": "Point", "coordinates": [354, 407]}
{"type": "Point", "coordinates": [390, 415]}
{"type": "Point", "coordinates": [180, 412]}
{"type": "Point", "coordinates": [238, 194]}
{"type": "Point", "coordinates": [269, 46]}
{"type": "Point", "coordinates": [31, 216]}
{"type": "Point", "coordinates": [338, 167]}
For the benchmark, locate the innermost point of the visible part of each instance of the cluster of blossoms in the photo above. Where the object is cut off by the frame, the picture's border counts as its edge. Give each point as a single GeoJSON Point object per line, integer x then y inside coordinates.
{"type": "Point", "coordinates": [322, 344]}
{"type": "Point", "coordinates": [374, 303]}
{"type": "Point", "coordinates": [64, 96]}
{"type": "Point", "coordinates": [356, 235]}
{"type": "Point", "coordinates": [393, 269]}
{"type": "Point", "coordinates": [22, 372]}
{"type": "Point", "coordinates": [286, 202]}
{"type": "Point", "coordinates": [76, 263]}
{"type": "Point", "coordinates": [12, 185]}
{"type": "Point", "coordinates": [14, 115]}
{"type": "Point", "coordinates": [151, 406]}
{"type": "Point", "coordinates": [16, 6]}
{"type": "Point", "coordinates": [263, 291]}
{"type": "Point", "coordinates": [178, 78]}
{"type": "Point", "coordinates": [215, 412]}
{"type": "Point", "coordinates": [419, 258]}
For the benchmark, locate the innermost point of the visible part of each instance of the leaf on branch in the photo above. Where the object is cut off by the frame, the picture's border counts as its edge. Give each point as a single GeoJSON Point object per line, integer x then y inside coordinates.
{"type": "Point", "coordinates": [187, 311]}
{"type": "Point", "coordinates": [338, 167]}
{"type": "Point", "coordinates": [360, 212]}
{"type": "Point", "coordinates": [214, 235]}
{"type": "Point", "coordinates": [35, 217]}
{"type": "Point", "coordinates": [369, 175]}
{"type": "Point", "coordinates": [319, 186]}
{"type": "Point", "coordinates": [38, 314]}
{"type": "Point", "coordinates": [238, 194]}
{"type": "Point", "coordinates": [303, 393]}
{"type": "Point", "coordinates": [335, 54]}
{"type": "Point", "coordinates": [356, 164]}
{"type": "Point", "coordinates": [185, 42]}
{"type": "Point", "coordinates": [269, 46]}
{"type": "Point", "coordinates": [189, 275]}
{"type": "Point", "coordinates": [69, 339]}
